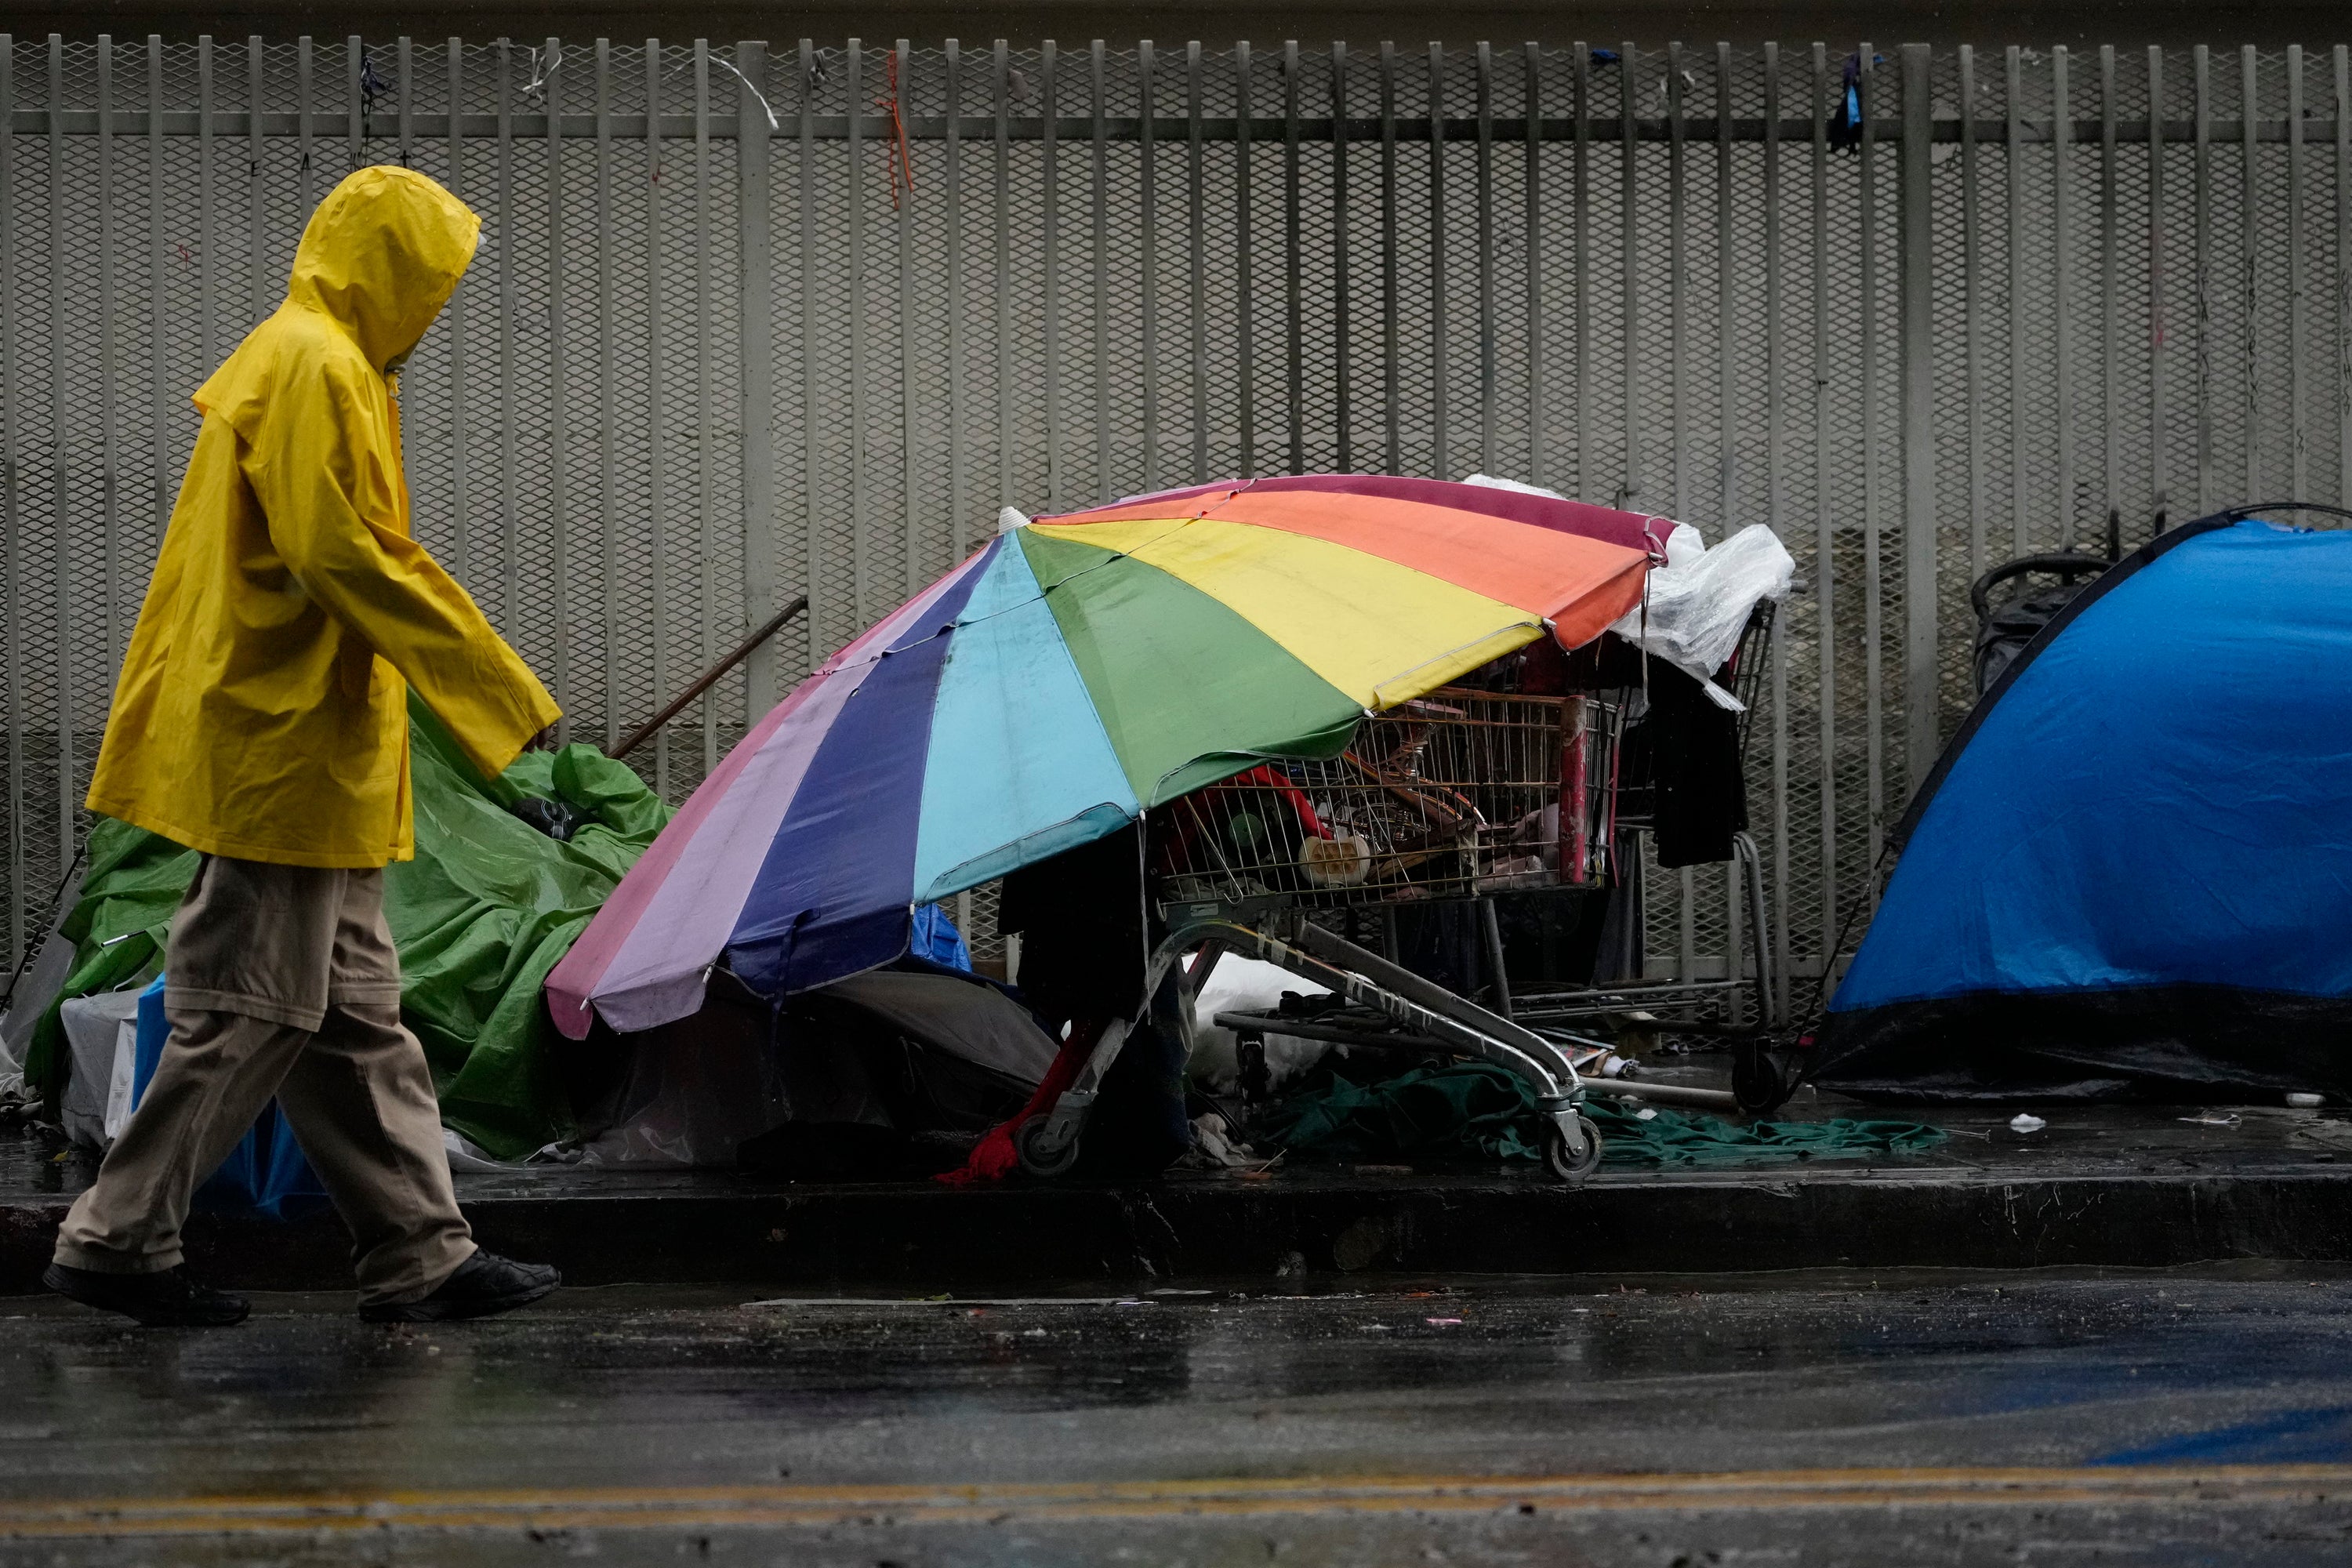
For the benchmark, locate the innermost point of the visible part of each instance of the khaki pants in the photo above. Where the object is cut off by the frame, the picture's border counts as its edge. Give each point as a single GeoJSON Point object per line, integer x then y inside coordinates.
{"type": "Point", "coordinates": [283, 979]}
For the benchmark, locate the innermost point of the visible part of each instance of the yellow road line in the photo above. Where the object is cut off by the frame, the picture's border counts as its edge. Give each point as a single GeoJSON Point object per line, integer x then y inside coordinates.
{"type": "Point", "coordinates": [785, 1506]}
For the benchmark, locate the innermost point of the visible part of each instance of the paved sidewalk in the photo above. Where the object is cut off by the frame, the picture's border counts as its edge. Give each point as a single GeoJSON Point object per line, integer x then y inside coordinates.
{"type": "Point", "coordinates": [2137, 1187]}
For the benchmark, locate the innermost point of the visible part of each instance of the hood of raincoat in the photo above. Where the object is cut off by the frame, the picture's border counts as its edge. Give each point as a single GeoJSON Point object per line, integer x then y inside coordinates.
{"type": "Point", "coordinates": [382, 255]}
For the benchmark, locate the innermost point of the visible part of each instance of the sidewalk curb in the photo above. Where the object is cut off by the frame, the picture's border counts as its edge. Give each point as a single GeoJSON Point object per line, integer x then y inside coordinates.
{"type": "Point", "coordinates": [922, 1236]}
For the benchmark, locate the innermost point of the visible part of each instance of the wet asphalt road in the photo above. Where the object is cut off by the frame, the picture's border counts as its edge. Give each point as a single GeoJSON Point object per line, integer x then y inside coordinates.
{"type": "Point", "coordinates": [2169, 1418]}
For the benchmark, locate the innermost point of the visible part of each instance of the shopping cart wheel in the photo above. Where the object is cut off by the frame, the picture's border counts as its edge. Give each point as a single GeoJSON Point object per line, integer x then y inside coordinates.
{"type": "Point", "coordinates": [1756, 1081]}
{"type": "Point", "coordinates": [1556, 1150]}
{"type": "Point", "coordinates": [1036, 1158]}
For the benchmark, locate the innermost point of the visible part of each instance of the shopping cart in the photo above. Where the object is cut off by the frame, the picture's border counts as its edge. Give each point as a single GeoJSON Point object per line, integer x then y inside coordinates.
{"type": "Point", "coordinates": [1301, 863]}
{"type": "Point", "coordinates": [1744, 999]}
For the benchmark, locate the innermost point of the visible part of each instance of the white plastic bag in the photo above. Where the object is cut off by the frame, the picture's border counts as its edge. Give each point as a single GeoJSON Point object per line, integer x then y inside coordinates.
{"type": "Point", "coordinates": [1698, 608]}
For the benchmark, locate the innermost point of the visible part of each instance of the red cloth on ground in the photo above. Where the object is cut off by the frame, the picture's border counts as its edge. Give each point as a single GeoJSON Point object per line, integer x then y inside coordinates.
{"type": "Point", "coordinates": [995, 1157]}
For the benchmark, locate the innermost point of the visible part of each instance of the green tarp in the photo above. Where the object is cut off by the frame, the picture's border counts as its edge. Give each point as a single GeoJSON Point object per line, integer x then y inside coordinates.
{"type": "Point", "coordinates": [483, 912]}
{"type": "Point", "coordinates": [1477, 1107]}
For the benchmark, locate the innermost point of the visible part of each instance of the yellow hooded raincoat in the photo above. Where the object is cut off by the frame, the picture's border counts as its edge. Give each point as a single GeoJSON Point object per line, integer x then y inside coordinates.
{"type": "Point", "coordinates": [262, 711]}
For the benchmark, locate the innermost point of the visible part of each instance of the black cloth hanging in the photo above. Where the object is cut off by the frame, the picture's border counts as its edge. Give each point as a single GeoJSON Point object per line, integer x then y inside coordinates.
{"type": "Point", "coordinates": [1700, 797]}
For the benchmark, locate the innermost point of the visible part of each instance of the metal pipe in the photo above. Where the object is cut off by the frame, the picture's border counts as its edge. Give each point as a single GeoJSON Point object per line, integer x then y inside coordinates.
{"type": "Point", "coordinates": [703, 682]}
{"type": "Point", "coordinates": [1663, 1093]}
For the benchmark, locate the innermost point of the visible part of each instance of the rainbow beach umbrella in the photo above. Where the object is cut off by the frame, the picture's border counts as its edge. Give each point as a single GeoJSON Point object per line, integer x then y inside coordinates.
{"type": "Point", "coordinates": [1074, 673]}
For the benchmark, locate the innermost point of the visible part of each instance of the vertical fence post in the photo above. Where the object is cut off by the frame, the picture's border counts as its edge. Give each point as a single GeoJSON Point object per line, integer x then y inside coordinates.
{"type": "Point", "coordinates": [460, 497]}
{"type": "Point", "coordinates": [12, 515]}
{"type": "Point", "coordinates": [60, 493]}
{"type": "Point", "coordinates": [1196, 261]}
{"type": "Point", "coordinates": [2013, 303]}
{"type": "Point", "coordinates": [915, 571]}
{"type": "Point", "coordinates": [1441, 458]}
{"type": "Point", "coordinates": [2250, 366]}
{"type": "Point", "coordinates": [110, 457]}
{"type": "Point", "coordinates": [608, 515]}
{"type": "Point", "coordinates": [1293, 325]}
{"type": "Point", "coordinates": [812, 391]}
{"type": "Point", "coordinates": [509, 306]}
{"type": "Point", "coordinates": [1099, 259]}
{"type": "Point", "coordinates": [1873, 510]}
{"type": "Point", "coordinates": [1678, 417]}
{"type": "Point", "coordinates": [206, 331]}
{"type": "Point", "coordinates": [2297, 350]}
{"type": "Point", "coordinates": [1391, 429]}
{"type": "Point", "coordinates": [657, 402]}
{"type": "Point", "coordinates": [1147, 175]}
{"type": "Point", "coordinates": [1581, 106]}
{"type": "Point", "coordinates": [2342, 290]}
{"type": "Point", "coordinates": [1244, 302]}
{"type": "Point", "coordinates": [1343, 457]}
{"type": "Point", "coordinates": [1679, 334]}
{"type": "Point", "coordinates": [1920, 670]}
{"type": "Point", "coordinates": [302, 63]}
{"type": "Point", "coordinates": [1629, 270]}
{"type": "Point", "coordinates": [1775, 492]}
{"type": "Point", "coordinates": [257, 213]}
{"type": "Point", "coordinates": [959, 504]}
{"type": "Point", "coordinates": [1824, 531]}
{"type": "Point", "coordinates": [160, 402]}
{"type": "Point", "coordinates": [1484, 98]}
{"type": "Point", "coordinates": [559, 379]}
{"type": "Point", "coordinates": [1050, 262]}
{"type": "Point", "coordinates": [999, 76]}
{"type": "Point", "coordinates": [1972, 310]}
{"type": "Point", "coordinates": [354, 96]}
{"type": "Point", "coordinates": [1539, 467]}
{"type": "Point", "coordinates": [2111, 415]}
{"type": "Point", "coordinates": [2202, 271]}
{"type": "Point", "coordinates": [2160, 322]}
{"type": "Point", "coordinates": [862, 610]}
{"type": "Point", "coordinates": [705, 414]}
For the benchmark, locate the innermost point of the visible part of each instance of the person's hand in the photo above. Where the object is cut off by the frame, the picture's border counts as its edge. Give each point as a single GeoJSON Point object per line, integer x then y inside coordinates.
{"type": "Point", "coordinates": [542, 742]}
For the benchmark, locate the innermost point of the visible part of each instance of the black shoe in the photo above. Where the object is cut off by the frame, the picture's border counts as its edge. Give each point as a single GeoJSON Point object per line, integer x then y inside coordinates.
{"type": "Point", "coordinates": [169, 1299]}
{"type": "Point", "coordinates": [484, 1286]}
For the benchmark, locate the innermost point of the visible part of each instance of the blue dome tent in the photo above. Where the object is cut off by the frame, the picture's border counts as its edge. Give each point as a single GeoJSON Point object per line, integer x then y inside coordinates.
{"type": "Point", "coordinates": [2130, 874]}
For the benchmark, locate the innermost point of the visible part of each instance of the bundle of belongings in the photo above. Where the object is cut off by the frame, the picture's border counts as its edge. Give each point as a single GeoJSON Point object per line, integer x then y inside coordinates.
{"type": "Point", "coordinates": [893, 1071]}
{"type": "Point", "coordinates": [507, 873]}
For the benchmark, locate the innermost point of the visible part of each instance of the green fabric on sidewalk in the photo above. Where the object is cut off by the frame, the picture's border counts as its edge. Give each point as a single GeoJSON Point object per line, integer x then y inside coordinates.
{"type": "Point", "coordinates": [485, 909]}
{"type": "Point", "coordinates": [1479, 1108]}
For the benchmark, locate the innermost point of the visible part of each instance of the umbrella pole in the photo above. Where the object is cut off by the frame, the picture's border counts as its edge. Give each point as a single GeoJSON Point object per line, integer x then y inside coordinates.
{"type": "Point", "coordinates": [704, 681]}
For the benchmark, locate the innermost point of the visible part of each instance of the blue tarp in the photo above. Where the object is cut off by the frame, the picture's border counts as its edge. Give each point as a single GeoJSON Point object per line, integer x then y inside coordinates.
{"type": "Point", "coordinates": [2132, 873]}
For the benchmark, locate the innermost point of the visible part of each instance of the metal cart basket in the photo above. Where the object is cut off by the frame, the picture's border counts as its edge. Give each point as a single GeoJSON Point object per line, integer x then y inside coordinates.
{"type": "Point", "coordinates": [1453, 796]}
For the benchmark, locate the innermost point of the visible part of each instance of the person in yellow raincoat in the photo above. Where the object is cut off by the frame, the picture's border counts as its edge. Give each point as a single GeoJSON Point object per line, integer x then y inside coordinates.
{"type": "Point", "coordinates": [261, 719]}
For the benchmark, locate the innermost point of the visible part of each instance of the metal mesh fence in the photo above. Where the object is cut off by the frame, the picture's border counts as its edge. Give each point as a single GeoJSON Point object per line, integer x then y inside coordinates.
{"type": "Point", "coordinates": [749, 320]}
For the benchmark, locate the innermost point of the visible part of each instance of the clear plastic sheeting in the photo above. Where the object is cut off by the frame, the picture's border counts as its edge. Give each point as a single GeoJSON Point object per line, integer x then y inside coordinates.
{"type": "Point", "coordinates": [1699, 607]}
